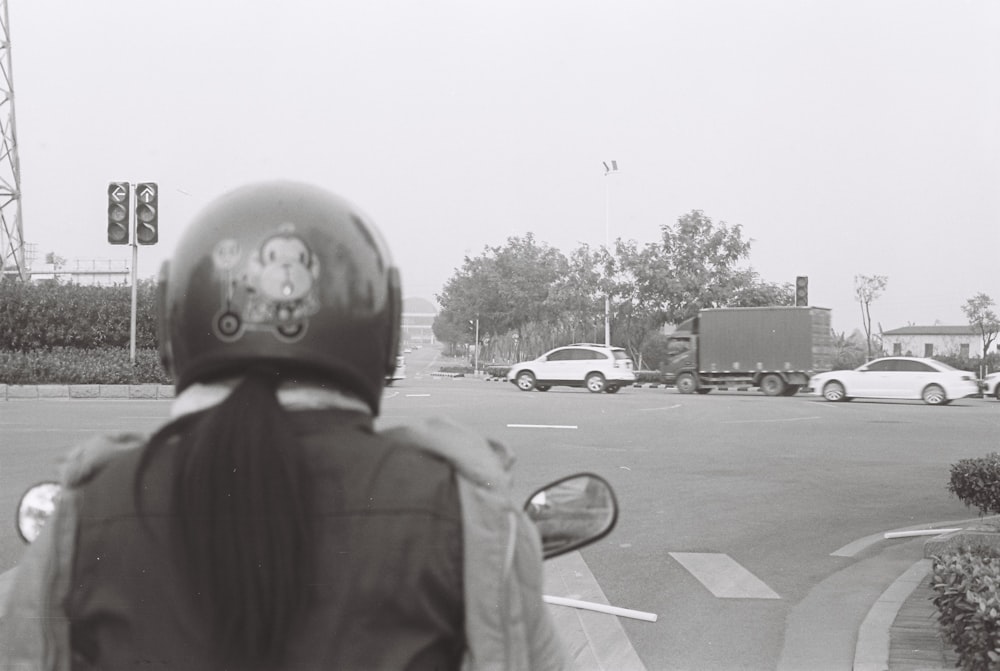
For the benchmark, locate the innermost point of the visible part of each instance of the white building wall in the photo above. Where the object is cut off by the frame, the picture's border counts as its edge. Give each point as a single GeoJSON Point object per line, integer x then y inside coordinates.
{"type": "Point", "coordinates": [915, 345]}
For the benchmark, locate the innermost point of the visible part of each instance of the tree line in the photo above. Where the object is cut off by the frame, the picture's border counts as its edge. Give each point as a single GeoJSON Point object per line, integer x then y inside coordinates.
{"type": "Point", "coordinates": [529, 297]}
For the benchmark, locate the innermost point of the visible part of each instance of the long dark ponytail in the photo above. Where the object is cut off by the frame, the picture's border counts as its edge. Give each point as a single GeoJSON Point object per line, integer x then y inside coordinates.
{"type": "Point", "coordinates": [241, 502]}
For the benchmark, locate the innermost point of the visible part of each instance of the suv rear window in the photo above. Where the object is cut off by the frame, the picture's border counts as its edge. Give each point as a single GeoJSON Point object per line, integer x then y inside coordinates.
{"type": "Point", "coordinates": [620, 354]}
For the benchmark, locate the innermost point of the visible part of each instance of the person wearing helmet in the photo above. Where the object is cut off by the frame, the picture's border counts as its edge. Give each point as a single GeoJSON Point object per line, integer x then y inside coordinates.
{"type": "Point", "coordinates": [268, 525]}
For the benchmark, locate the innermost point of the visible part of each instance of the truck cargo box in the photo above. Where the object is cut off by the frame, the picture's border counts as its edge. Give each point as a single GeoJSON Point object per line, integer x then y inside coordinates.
{"type": "Point", "coordinates": [764, 339]}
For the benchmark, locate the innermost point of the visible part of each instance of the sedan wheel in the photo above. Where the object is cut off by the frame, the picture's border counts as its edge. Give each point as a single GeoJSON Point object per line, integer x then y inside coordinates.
{"type": "Point", "coordinates": [525, 381]}
{"type": "Point", "coordinates": [934, 395]}
{"type": "Point", "coordinates": [996, 392]}
{"type": "Point", "coordinates": [543, 387]}
{"type": "Point", "coordinates": [834, 391]}
{"type": "Point", "coordinates": [612, 388]}
{"type": "Point", "coordinates": [595, 383]}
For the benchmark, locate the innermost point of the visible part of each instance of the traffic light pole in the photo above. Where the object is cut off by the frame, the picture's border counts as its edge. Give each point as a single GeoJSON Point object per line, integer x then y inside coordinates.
{"type": "Point", "coordinates": [133, 219]}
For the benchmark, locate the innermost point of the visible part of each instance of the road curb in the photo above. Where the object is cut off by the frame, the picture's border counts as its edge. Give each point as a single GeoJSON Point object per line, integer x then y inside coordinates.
{"type": "Point", "coordinates": [871, 653]}
{"type": "Point", "coordinates": [29, 392]}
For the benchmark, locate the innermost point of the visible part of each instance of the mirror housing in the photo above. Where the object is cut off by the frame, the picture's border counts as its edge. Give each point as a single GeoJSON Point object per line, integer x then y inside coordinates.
{"type": "Point", "coordinates": [572, 512]}
{"type": "Point", "coordinates": [37, 505]}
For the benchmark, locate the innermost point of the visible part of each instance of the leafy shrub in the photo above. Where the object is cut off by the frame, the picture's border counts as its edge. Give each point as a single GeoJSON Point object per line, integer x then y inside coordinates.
{"type": "Point", "coordinates": [648, 377]}
{"type": "Point", "coordinates": [45, 315]}
{"type": "Point", "coordinates": [497, 370]}
{"type": "Point", "coordinates": [70, 365]}
{"type": "Point", "coordinates": [968, 605]}
{"type": "Point", "coordinates": [462, 370]}
{"type": "Point", "coordinates": [976, 482]}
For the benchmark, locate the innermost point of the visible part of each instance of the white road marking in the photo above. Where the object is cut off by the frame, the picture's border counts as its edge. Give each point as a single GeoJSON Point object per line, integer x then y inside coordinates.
{"type": "Point", "coordinates": [593, 640]}
{"type": "Point", "coordinates": [723, 576]}
{"type": "Point", "coordinates": [542, 426]}
{"type": "Point", "coordinates": [767, 421]}
{"type": "Point", "coordinates": [665, 407]}
{"type": "Point", "coordinates": [416, 395]}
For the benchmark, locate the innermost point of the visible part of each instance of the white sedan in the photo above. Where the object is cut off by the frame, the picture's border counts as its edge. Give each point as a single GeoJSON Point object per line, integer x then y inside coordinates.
{"type": "Point", "coordinates": [934, 382]}
{"type": "Point", "coordinates": [992, 385]}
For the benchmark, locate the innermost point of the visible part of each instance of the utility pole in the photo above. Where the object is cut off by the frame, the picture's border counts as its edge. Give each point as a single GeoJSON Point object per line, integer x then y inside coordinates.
{"type": "Point", "coordinates": [11, 227]}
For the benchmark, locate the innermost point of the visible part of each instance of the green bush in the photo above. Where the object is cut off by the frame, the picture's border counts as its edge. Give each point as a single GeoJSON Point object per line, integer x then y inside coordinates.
{"type": "Point", "coordinates": [41, 316]}
{"type": "Point", "coordinates": [70, 365]}
{"type": "Point", "coordinates": [968, 605]}
{"type": "Point", "coordinates": [497, 370]}
{"type": "Point", "coordinates": [461, 370]}
{"type": "Point", "coordinates": [648, 377]}
{"type": "Point", "coordinates": [976, 482]}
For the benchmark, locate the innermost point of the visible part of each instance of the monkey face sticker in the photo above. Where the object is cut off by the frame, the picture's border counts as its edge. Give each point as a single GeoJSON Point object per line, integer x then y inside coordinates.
{"type": "Point", "coordinates": [274, 288]}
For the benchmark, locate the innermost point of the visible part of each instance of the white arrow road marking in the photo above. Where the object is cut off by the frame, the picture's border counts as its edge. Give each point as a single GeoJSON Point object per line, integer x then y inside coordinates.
{"type": "Point", "coordinates": [723, 576]}
{"type": "Point", "coordinates": [541, 426]}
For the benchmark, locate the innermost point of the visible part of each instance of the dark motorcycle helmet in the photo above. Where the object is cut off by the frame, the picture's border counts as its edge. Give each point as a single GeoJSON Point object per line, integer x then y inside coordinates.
{"type": "Point", "coordinates": [285, 275]}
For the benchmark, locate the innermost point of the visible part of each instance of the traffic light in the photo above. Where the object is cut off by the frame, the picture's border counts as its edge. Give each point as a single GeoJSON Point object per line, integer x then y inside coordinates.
{"type": "Point", "coordinates": [146, 213]}
{"type": "Point", "coordinates": [802, 290]}
{"type": "Point", "coordinates": [118, 193]}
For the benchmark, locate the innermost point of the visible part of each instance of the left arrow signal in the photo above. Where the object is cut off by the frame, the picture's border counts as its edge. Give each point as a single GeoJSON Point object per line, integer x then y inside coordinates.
{"type": "Point", "coordinates": [118, 192]}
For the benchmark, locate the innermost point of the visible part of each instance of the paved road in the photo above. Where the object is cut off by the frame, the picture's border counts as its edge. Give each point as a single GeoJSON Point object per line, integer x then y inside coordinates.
{"type": "Point", "coordinates": [737, 510]}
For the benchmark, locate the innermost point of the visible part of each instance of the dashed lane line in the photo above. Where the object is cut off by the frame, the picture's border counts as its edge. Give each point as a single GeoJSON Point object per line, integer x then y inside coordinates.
{"type": "Point", "coordinates": [723, 576]}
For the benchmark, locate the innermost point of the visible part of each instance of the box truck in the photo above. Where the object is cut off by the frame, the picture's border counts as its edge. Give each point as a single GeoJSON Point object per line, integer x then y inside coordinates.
{"type": "Point", "coordinates": [776, 349]}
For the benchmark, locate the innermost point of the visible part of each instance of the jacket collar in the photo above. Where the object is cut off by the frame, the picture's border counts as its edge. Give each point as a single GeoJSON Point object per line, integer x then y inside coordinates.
{"type": "Point", "coordinates": [291, 395]}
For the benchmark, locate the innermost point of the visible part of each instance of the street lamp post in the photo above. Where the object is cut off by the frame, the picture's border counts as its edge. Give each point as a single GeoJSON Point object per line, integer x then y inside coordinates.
{"type": "Point", "coordinates": [608, 170]}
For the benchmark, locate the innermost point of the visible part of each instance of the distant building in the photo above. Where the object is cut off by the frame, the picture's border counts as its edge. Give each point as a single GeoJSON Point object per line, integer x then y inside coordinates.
{"type": "Point", "coordinates": [102, 272]}
{"type": "Point", "coordinates": [929, 341]}
{"type": "Point", "coordinates": [418, 318]}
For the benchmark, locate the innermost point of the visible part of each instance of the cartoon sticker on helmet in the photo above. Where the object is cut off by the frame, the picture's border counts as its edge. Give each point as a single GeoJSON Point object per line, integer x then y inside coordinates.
{"type": "Point", "coordinates": [277, 291]}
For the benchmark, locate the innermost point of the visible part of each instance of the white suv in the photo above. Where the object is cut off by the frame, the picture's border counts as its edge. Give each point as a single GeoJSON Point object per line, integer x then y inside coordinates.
{"type": "Point", "coordinates": [596, 367]}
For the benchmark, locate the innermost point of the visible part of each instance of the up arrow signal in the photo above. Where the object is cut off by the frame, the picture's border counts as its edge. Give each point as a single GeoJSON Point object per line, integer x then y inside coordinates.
{"type": "Point", "coordinates": [147, 194]}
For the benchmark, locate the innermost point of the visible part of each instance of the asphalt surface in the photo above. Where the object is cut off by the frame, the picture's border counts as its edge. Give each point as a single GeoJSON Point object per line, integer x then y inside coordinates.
{"type": "Point", "coordinates": [847, 620]}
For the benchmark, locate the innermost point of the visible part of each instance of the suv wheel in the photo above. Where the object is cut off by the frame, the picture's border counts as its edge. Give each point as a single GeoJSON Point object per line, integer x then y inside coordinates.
{"type": "Point", "coordinates": [525, 381]}
{"type": "Point", "coordinates": [595, 382]}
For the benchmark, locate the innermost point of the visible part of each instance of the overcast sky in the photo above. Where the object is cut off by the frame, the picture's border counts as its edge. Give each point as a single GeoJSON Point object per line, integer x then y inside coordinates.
{"type": "Point", "coordinates": [845, 137]}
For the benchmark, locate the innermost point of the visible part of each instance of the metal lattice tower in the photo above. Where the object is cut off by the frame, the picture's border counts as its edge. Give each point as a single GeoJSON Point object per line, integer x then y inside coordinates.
{"type": "Point", "coordinates": [11, 228]}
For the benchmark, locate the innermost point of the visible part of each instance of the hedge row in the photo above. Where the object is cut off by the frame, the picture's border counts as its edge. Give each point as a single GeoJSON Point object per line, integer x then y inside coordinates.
{"type": "Point", "coordinates": [69, 365]}
{"type": "Point", "coordinates": [46, 315]}
{"type": "Point", "coordinates": [968, 604]}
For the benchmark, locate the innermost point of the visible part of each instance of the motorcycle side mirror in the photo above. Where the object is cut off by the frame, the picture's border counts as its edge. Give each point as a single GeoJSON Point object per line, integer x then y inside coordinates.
{"type": "Point", "coordinates": [572, 512]}
{"type": "Point", "coordinates": [36, 507]}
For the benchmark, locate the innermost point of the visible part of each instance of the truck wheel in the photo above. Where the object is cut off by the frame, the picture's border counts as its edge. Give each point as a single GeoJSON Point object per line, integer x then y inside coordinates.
{"type": "Point", "coordinates": [703, 390]}
{"type": "Point", "coordinates": [595, 383]}
{"type": "Point", "coordinates": [686, 383]}
{"type": "Point", "coordinates": [525, 381]}
{"type": "Point", "coordinates": [791, 390]}
{"type": "Point", "coordinates": [772, 385]}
